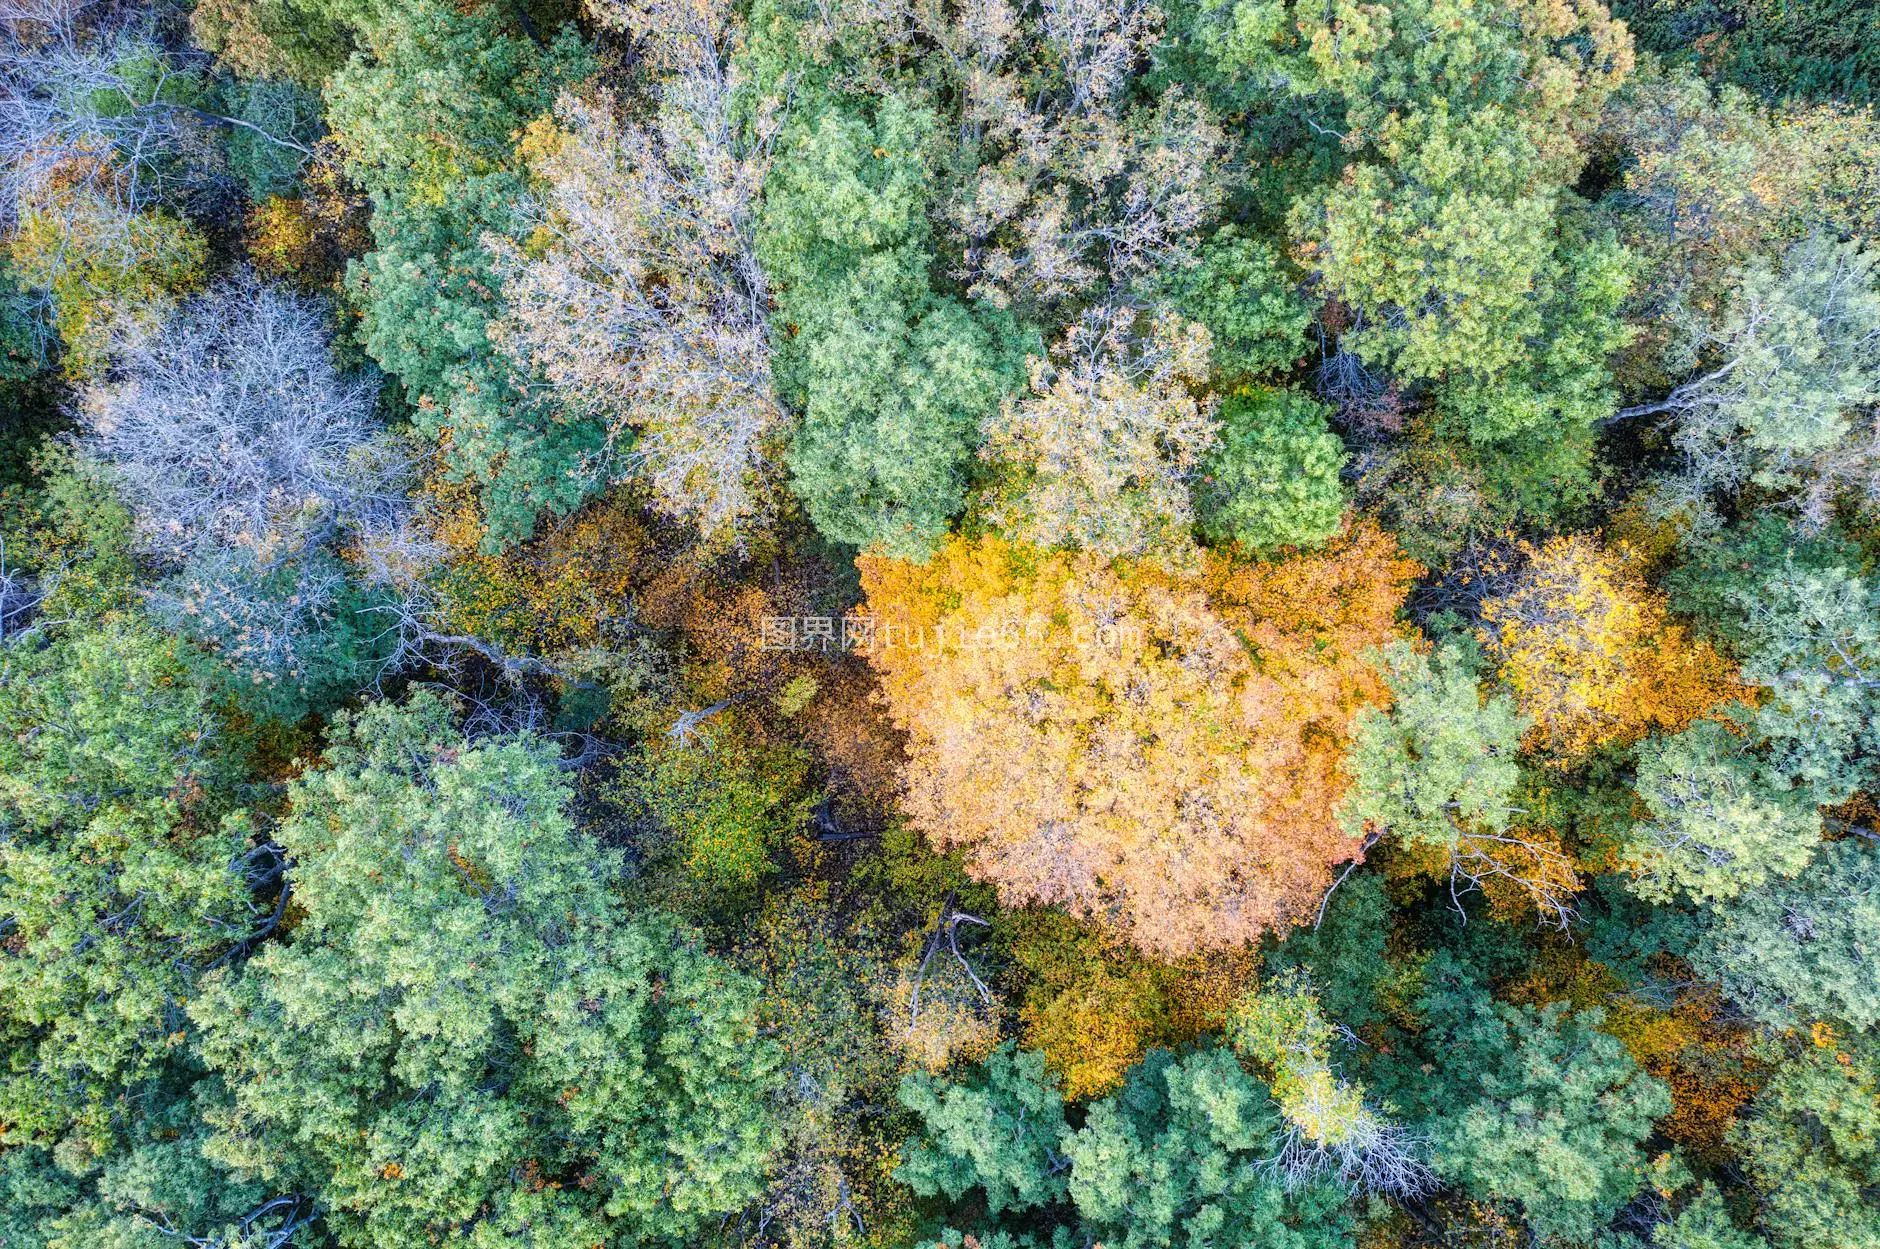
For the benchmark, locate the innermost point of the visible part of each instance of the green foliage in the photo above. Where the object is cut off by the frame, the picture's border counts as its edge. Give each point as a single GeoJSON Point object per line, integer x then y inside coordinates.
{"type": "Point", "coordinates": [1824, 50]}
{"type": "Point", "coordinates": [465, 1013]}
{"type": "Point", "coordinates": [374, 982]}
{"type": "Point", "coordinates": [286, 111]}
{"type": "Point", "coordinates": [1799, 950]}
{"type": "Point", "coordinates": [891, 377]}
{"type": "Point", "coordinates": [1172, 1160]}
{"type": "Point", "coordinates": [1542, 476]}
{"type": "Point", "coordinates": [436, 94]}
{"type": "Point", "coordinates": [1000, 1131]}
{"type": "Point", "coordinates": [1249, 302]}
{"type": "Point", "coordinates": [1804, 338]}
{"type": "Point", "coordinates": [1811, 1145]}
{"type": "Point", "coordinates": [427, 292]}
{"type": "Point", "coordinates": [1558, 383]}
{"type": "Point", "coordinates": [120, 869]}
{"type": "Point", "coordinates": [1345, 956]}
{"type": "Point", "coordinates": [723, 802]}
{"type": "Point", "coordinates": [1812, 638]}
{"type": "Point", "coordinates": [1547, 1111]}
{"type": "Point", "coordinates": [1786, 367]}
{"type": "Point", "coordinates": [32, 1190]}
{"type": "Point", "coordinates": [1441, 759]}
{"type": "Point", "coordinates": [75, 523]}
{"type": "Point", "coordinates": [1272, 479]}
{"type": "Point", "coordinates": [162, 1186]}
{"type": "Point", "coordinates": [1722, 575]}
{"type": "Point", "coordinates": [21, 352]}
{"type": "Point", "coordinates": [1713, 831]}
{"type": "Point", "coordinates": [1703, 1224]}
{"type": "Point", "coordinates": [427, 295]}
{"type": "Point", "coordinates": [427, 116]}
{"type": "Point", "coordinates": [1460, 263]}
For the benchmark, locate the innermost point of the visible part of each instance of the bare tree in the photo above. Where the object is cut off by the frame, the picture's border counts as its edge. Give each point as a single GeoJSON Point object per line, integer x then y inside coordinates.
{"type": "Point", "coordinates": [248, 461]}
{"type": "Point", "coordinates": [647, 310]}
{"type": "Point", "coordinates": [1330, 1131]}
{"type": "Point", "coordinates": [395, 557]}
{"type": "Point", "coordinates": [1374, 1157]}
{"type": "Point", "coordinates": [21, 593]}
{"type": "Point", "coordinates": [90, 108]}
{"type": "Point", "coordinates": [229, 428]}
{"type": "Point", "coordinates": [1070, 187]}
{"type": "Point", "coordinates": [271, 1225]}
{"type": "Point", "coordinates": [1065, 187]}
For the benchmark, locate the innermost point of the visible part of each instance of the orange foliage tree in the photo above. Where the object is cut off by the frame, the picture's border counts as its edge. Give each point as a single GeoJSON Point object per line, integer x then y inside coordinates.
{"type": "Point", "coordinates": [1590, 653]}
{"type": "Point", "coordinates": [1160, 749]}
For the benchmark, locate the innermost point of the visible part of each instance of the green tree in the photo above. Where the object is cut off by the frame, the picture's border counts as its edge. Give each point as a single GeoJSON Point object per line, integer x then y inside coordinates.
{"type": "Point", "coordinates": [1714, 830]}
{"type": "Point", "coordinates": [1811, 638]}
{"type": "Point", "coordinates": [1441, 759]}
{"type": "Point", "coordinates": [1272, 479]}
{"type": "Point", "coordinates": [427, 294]}
{"type": "Point", "coordinates": [1239, 289]}
{"type": "Point", "coordinates": [161, 1186]}
{"type": "Point", "coordinates": [1000, 1131]}
{"type": "Point", "coordinates": [1789, 363]}
{"type": "Point", "coordinates": [436, 93]}
{"type": "Point", "coordinates": [1543, 1109]}
{"type": "Point", "coordinates": [1721, 575]}
{"type": "Point", "coordinates": [1800, 950]}
{"type": "Point", "coordinates": [1439, 773]}
{"type": "Point", "coordinates": [1174, 1160]}
{"type": "Point", "coordinates": [1177, 1158]}
{"type": "Point", "coordinates": [1462, 262]}
{"type": "Point", "coordinates": [891, 377]}
{"type": "Point", "coordinates": [427, 114]}
{"type": "Point", "coordinates": [123, 873]}
{"type": "Point", "coordinates": [1811, 1146]}
{"type": "Point", "coordinates": [1775, 49]}
{"type": "Point", "coordinates": [465, 1028]}
{"type": "Point", "coordinates": [1703, 1224]}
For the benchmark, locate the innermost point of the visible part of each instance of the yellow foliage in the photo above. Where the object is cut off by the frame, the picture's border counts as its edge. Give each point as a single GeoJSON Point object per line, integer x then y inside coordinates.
{"type": "Point", "coordinates": [281, 237]}
{"type": "Point", "coordinates": [107, 270]}
{"type": "Point", "coordinates": [952, 1024]}
{"type": "Point", "coordinates": [1533, 869]}
{"type": "Point", "coordinates": [1590, 653]}
{"type": "Point", "coordinates": [546, 595]}
{"type": "Point", "coordinates": [1093, 1005]}
{"type": "Point", "coordinates": [1091, 1037]}
{"type": "Point", "coordinates": [1157, 748]}
{"type": "Point", "coordinates": [1648, 538]}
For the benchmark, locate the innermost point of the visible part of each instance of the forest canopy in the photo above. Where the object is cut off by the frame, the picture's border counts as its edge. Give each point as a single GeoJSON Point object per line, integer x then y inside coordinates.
{"type": "Point", "coordinates": [939, 624]}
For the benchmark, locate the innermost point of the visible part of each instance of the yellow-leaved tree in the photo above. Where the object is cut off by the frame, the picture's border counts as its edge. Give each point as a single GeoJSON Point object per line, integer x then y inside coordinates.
{"type": "Point", "coordinates": [1591, 654]}
{"type": "Point", "coordinates": [1160, 749]}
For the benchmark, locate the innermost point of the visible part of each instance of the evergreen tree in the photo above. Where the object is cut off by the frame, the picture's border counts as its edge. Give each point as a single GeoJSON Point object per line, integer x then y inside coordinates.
{"type": "Point", "coordinates": [464, 1028]}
